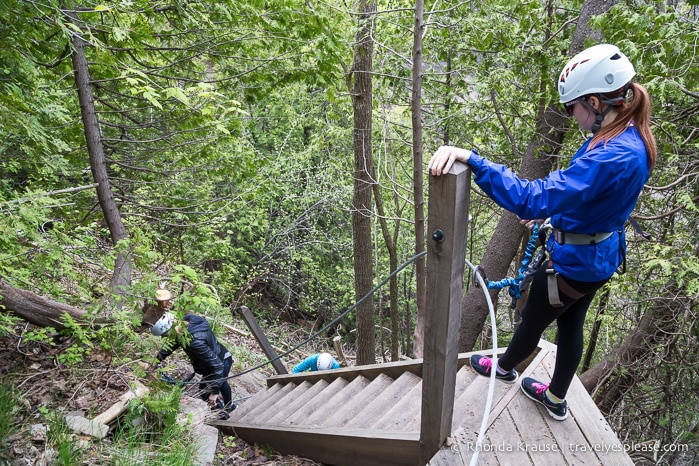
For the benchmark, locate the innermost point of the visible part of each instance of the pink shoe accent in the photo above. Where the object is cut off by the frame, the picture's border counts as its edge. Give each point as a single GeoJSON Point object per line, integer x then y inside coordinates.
{"type": "Point", "coordinates": [487, 363]}
{"type": "Point", "coordinates": [540, 387]}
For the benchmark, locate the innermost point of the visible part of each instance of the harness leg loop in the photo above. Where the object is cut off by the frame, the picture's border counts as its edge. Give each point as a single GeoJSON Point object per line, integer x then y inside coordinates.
{"type": "Point", "coordinates": [552, 281]}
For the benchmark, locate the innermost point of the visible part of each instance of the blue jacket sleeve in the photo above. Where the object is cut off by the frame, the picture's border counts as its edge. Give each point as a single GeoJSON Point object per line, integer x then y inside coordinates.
{"type": "Point", "coordinates": [596, 193]}
{"type": "Point", "coordinates": [561, 190]}
{"type": "Point", "coordinates": [310, 363]}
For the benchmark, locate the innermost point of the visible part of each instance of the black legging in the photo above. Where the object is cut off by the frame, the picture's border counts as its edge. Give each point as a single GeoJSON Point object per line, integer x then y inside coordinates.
{"type": "Point", "coordinates": [538, 314]}
{"type": "Point", "coordinates": [226, 392]}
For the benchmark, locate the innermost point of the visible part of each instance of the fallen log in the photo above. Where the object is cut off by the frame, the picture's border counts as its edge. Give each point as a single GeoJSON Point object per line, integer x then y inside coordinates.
{"type": "Point", "coordinates": [36, 309]}
{"type": "Point", "coordinates": [120, 406]}
{"type": "Point", "coordinates": [99, 426]}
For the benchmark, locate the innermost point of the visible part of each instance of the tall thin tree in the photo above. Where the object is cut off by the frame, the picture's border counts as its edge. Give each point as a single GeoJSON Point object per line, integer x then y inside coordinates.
{"type": "Point", "coordinates": [416, 98]}
{"type": "Point", "coordinates": [93, 137]}
{"type": "Point", "coordinates": [360, 86]}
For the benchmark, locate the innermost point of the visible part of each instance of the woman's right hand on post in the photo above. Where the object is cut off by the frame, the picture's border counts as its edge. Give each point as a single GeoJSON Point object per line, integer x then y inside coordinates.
{"type": "Point", "coordinates": [444, 158]}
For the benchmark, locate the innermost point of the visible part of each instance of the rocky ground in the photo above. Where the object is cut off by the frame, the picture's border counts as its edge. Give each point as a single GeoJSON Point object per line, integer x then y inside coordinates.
{"type": "Point", "coordinates": [89, 388]}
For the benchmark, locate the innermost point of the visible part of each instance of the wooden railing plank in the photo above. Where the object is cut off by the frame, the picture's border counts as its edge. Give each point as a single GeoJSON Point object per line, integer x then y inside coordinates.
{"type": "Point", "coordinates": [254, 327]}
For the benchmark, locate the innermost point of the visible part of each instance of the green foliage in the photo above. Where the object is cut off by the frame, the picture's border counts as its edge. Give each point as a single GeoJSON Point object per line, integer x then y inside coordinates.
{"type": "Point", "coordinates": [158, 409]}
{"type": "Point", "coordinates": [59, 437]}
{"type": "Point", "coordinates": [242, 357]}
{"type": "Point", "coordinates": [152, 420]}
{"type": "Point", "coordinates": [83, 341]}
{"type": "Point", "coordinates": [7, 322]}
{"type": "Point", "coordinates": [9, 425]}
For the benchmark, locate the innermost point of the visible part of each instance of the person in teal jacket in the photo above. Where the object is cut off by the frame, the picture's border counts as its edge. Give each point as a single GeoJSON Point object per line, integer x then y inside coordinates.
{"type": "Point", "coordinates": [317, 362]}
{"type": "Point", "coordinates": [587, 205]}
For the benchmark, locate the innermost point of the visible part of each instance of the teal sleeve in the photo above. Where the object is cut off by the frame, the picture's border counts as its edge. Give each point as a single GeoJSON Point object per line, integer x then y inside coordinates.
{"type": "Point", "coordinates": [307, 364]}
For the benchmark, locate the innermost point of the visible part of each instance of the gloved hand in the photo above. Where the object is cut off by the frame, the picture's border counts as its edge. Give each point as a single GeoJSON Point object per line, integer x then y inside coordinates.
{"type": "Point", "coordinates": [167, 379]}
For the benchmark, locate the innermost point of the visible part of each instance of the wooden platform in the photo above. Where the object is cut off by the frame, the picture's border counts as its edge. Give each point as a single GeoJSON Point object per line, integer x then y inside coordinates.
{"type": "Point", "coordinates": [371, 415]}
{"type": "Point", "coordinates": [521, 432]}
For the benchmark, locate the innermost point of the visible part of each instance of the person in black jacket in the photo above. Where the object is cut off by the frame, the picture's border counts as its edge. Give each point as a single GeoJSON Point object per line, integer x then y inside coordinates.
{"type": "Point", "coordinates": [208, 356]}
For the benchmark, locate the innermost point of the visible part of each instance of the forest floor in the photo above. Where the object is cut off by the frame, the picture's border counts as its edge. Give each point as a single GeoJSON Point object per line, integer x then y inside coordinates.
{"type": "Point", "coordinates": [49, 390]}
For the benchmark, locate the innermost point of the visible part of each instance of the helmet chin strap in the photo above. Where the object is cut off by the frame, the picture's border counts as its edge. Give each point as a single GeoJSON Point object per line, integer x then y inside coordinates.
{"type": "Point", "coordinates": [611, 103]}
{"type": "Point", "coordinates": [599, 116]}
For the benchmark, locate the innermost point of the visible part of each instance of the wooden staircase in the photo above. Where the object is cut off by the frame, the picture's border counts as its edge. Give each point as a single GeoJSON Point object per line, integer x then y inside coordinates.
{"type": "Point", "coordinates": [368, 415]}
{"type": "Point", "coordinates": [371, 415]}
{"type": "Point", "coordinates": [380, 414]}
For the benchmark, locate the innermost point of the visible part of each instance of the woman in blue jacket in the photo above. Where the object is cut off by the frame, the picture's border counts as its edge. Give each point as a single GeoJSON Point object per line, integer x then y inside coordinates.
{"type": "Point", "coordinates": [587, 204]}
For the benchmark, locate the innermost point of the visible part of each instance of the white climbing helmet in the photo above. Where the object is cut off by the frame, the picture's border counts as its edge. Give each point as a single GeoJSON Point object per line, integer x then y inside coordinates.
{"type": "Point", "coordinates": [163, 324]}
{"type": "Point", "coordinates": [599, 69]}
{"type": "Point", "coordinates": [325, 362]}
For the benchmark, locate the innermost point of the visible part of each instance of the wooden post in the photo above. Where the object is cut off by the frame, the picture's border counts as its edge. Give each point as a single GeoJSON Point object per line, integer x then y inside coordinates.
{"type": "Point", "coordinates": [447, 221]}
{"type": "Point", "coordinates": [262, 339]}
{"type": "Point", "coordinates": [337, 343]}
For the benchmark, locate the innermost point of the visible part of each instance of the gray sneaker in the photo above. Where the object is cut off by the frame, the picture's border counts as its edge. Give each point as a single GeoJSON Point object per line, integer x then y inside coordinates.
{"type": "Point", "coordinates": [483, 365]}
{"type": "Point", "coordinates": [537, 391]}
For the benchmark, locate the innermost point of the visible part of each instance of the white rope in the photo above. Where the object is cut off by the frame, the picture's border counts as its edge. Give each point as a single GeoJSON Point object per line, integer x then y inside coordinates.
{"type": "Point", "coordinates": [491, 384]}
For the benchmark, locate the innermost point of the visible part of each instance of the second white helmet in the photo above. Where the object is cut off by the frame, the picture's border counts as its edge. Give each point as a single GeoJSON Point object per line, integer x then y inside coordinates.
{"type": "Point", "coordinates": [599, 69]}
{"type": "Point", "coordinates": [163, 324]}
{"type": "Point", "coordinates": [325, 362]}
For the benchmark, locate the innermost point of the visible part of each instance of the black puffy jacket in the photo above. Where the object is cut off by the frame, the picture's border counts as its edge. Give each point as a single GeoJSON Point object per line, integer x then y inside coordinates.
{"type": "Point", "coordinates": [204, 351]}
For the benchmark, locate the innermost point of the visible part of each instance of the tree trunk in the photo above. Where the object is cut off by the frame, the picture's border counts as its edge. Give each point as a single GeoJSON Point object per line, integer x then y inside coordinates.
{"type": "Point", "coordinates": [657, 325]}
{"type": "Point", "coordinates": [392, 248]}
{"type": "Point", "coordinates": [361, 90]}
{"type": "Point", "coordinates": [418, 188]}
{"type": "Point", "coordinates": [537, 162]}
{"type": "Point", "coordinates": [34, 308]}
{"type": "Point", "coordinates": [122, 267]}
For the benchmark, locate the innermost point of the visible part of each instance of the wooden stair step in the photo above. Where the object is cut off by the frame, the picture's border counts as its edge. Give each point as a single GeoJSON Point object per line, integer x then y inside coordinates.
{"type": "Point", "coordinates": [263, 417]}
{"type": "Point", "coordinates": [338, 401]}
{"type": "Point", "coordinates": [258, 410]}
{"type": "Point", "coordinates": [257, 399]}
{"type": "Point", "coordinates": [322, 399]}
{"type": "Point", "coordinates": [384, 401]}
{"type": "Point", "coordinates": [312, 389]}
{"type": "Point", "coordinates": [464, 377]}
{"type": "Point", "coordinates": [399, 416]}
{"type": "Point", "coordinates": [468, 407]}
{"type": "Point", "coordinates": [340, 417]}
{"type": "Point", "coordinates": [357, 447]}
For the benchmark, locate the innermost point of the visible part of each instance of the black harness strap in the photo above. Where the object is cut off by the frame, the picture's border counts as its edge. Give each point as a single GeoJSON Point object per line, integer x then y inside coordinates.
{"type": "Point", "coordinates": [556, 283]}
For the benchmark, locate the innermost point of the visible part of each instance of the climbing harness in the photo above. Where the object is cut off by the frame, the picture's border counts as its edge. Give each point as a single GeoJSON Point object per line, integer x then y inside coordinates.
{"type": "Point", "coordinates": [579, 239]}
{"type": "Point", "coordinates": [532, 262]}
{"type": "Point", "coordinates": [534, 258]}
